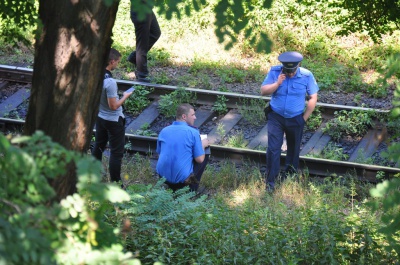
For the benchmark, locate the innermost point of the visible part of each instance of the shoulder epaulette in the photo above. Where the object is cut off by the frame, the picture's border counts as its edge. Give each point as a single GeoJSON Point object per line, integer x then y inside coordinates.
{"type": "Point", "coordinates": [304, 71]}
{"type": "Point", "coordinates": [276, 68]}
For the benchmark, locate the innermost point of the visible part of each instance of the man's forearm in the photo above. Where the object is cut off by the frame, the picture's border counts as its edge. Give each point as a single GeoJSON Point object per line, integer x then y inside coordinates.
{"type": "Point", "coordinates": [269, 89]}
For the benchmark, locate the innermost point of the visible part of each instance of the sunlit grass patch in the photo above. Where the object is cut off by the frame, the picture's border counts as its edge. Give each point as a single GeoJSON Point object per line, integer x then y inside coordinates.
{"type": "Point", "coordinates": [137, 169]}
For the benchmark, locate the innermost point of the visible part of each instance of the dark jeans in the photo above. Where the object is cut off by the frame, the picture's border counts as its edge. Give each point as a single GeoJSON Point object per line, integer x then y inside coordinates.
{"type": "Point", "coordinates": [114, 133]}
{"type": "Point", "coordinates": [198, 169]}
{"type": "Point", "coordinates": [147, 32]}
{"type": "Point", "coordinates": [277, 127]}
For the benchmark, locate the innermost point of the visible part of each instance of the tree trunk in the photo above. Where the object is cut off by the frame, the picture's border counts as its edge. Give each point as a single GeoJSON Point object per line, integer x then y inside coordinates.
{"type": "Point", "coordinates": [71, 51]}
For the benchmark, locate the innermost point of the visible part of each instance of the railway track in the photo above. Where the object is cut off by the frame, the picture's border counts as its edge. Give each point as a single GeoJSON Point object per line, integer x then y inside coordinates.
{"type": "Point", "coordinates": [207, 122]}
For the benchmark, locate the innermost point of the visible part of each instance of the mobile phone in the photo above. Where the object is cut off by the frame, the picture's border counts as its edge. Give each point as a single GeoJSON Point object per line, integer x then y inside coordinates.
{"type": "Point", "coordinates": [130, 90]}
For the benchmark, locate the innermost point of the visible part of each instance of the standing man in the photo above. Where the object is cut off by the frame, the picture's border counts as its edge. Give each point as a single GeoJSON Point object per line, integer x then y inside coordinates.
{"type": "Point", "coordinates": [147, 32]}
{"type": "Point", "coordinates": [288, 84]}
{"type": "Point", "coordinates": [182, 158]}
{"type": "Point", "coordinates": [110, 123]}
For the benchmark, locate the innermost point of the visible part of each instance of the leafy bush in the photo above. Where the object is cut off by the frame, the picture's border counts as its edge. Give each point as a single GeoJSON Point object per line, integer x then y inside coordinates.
{"type": "Point", "coordinates": [220, 105]}
{"type": "Point", "coordinates": [165, 225]}
{"type": "Point", "coordinates": [176, 228]}
{"type": "Point", "coordinates": [146, 131]}
{"type": "Point", "coordinates": [237, 140]}
{"type": "Point", "coordinates": [315, 119]}
{"type": "Point", "coordinates": [334, 152]}
{"type": "Point", "coordinates": [36, 230]}
{"type": "Point", "coordinates": [138, 100]}
{"type": "Point", "coordinates": [168, 104]}
{"type": "Point", "coordinates": [388, 193]}
{"type": "Point", "coordinates": [354, 123]}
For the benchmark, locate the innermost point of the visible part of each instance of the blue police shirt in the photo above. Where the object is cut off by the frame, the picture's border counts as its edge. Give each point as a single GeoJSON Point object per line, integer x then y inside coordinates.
{"type": "Point", "coordinates": [289, 99]}
{"type": "Point", "coordinates": [177, 146]}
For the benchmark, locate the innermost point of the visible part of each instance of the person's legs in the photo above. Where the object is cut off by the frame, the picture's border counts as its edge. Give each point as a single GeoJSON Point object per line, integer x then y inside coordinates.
{"type": "Point", "coordinates": [294, 132]}
{"type": "Point", "coordinates": [275, 141]}
{"type": "Point", "coordinates": [175, 186]}
{"type": "Point", "coordinates": [117, 142]}
{"type": "Point", "coordinates": [142, 33]}
{"type": "Point", "coordinates": [155, 31]}
{"type": "Point", "coordinates": [101, 139]}
{"type": "Point", "coordinates": [154, 34]}
{"type": "Point", "coordinates": [198, 170]}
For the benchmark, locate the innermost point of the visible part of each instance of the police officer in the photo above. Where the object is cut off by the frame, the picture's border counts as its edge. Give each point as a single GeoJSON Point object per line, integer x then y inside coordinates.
{"type": "Point", "coordinates": [288, 84]}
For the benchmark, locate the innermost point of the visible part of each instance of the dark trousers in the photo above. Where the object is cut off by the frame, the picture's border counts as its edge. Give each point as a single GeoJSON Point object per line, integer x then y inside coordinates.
{"type": "Point", "coordinates": [114, 133]}
{"type": "Point", "coordinates": [147, 32]}
{"type": "Point", "coordinates": [198, 169]}
{"type": "Point", "coordinates": [277, 127]}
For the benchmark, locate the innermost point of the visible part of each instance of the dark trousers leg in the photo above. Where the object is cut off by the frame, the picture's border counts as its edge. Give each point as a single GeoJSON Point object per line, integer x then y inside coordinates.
{"type": "Point", "coordinates": [147, 33]}
{"type": "Point", "coordinates": [275, 141]}
{"type": "Point", "coordinates": [114, 133]}
{"type": "Point", "coordinates": [198, 170]}
{"type": "Point", "coordinates": [101, 139]}
{"type": "Point", "coordinates": [175, 186]}
{"type": "Point", "coordinates": [117, 142]}
{"type": "Point", "coordinates": [294, 132]}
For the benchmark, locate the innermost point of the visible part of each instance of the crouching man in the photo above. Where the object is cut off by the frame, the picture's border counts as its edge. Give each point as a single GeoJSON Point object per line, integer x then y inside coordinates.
{"type": "Point", "coordinates": [182, 159]}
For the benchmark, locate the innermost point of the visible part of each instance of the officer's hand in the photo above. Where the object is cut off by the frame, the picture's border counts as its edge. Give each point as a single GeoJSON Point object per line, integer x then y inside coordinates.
{"type": "Point", "coordinates": [281, 77]}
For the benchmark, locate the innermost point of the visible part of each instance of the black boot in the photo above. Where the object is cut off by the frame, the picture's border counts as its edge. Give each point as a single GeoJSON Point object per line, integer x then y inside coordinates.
{"type": "Point", "coordinates": [142, 78]}
{"type": "Point", "coordinates": [132, 58]}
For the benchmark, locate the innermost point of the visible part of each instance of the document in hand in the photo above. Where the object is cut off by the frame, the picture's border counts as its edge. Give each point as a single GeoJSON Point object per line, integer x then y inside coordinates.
{"type": "Point", "coordinates": [207, 150]}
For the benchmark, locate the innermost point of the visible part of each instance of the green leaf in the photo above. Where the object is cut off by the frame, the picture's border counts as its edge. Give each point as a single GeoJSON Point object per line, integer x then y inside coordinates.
{"type": "Point", "coordinates": [115, 194]}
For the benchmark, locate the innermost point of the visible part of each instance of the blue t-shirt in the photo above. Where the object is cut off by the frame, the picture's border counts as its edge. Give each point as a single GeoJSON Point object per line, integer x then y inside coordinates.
{"type": "Point", "coordinates": [289, 99]}
{"type": "Point", "coordinates": [177, 146]}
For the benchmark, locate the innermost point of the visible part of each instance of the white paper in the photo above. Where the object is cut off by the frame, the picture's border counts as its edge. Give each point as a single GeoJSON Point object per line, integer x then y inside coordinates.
{"type": "Point", "coordinates": [203, 136]}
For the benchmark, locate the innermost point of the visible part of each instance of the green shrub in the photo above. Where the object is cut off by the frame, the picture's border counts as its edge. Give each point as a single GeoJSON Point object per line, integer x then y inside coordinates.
{"type": "Point", "coordinates": [168, 104]}
{"type": "Point", "coordinates": [138, 101]}
{"type": "Point", "coordinates": [176, 228]}
{"type": "Point", "coordinates": [315, 119]}
{"type": "Point", "coordinates": [354, 123]}
{"type": "Point", "coordinates": [36, 230]}
{"type": "Point", "coordinates": [237, 140]}
{"type": "Point", "coordinates": [145, 131]}
{"type": "Point", "coordinates": [220, 105]}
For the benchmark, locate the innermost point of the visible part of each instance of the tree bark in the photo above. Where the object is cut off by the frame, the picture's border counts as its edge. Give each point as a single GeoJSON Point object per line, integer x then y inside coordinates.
{"type": "Point", "coordinates": [71, 51]}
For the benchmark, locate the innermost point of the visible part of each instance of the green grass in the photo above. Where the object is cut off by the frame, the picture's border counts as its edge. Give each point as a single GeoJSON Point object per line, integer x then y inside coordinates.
{"type": "Point", "coordinates": [339, 63]}
{"type": "Point", "coordinates": [305, 221]}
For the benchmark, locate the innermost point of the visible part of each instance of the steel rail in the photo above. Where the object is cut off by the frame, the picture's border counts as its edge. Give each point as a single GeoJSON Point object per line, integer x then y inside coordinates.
{"type": "Point", "coordinates": [315, 166]}
{"type": "Point", "coordinates": [203, 96]}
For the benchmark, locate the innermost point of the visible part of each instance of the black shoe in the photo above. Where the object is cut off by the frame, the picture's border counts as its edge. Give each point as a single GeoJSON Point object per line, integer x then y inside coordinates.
{"type": "Point", "coordinates": [144, 79]}
{"type": "Point", "coordinates": [132, 58]}
{"type": "Point", "coordinates": [191, 180]}
{"type": "Point", "coordinates": [269, 188]}
{"type": "Point", "coordinates": [201, 190]}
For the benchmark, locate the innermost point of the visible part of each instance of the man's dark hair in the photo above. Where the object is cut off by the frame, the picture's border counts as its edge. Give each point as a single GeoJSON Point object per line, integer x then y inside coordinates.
{"type": "Point", "coordinates": [183, 109]}
{"type": "Point", "coordinates": [114, 55]}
